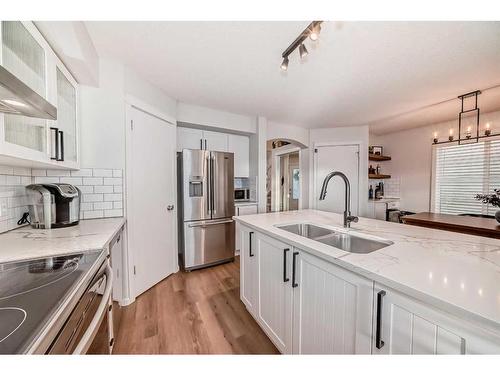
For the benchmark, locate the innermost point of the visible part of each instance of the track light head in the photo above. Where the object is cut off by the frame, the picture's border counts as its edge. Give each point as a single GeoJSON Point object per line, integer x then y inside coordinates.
{"type": "Point", "coordinates": [314, 34]}
{"type": "Point", "coordinates": [303, 51]}
{"type": "Point", "coordinates": [284, 64]}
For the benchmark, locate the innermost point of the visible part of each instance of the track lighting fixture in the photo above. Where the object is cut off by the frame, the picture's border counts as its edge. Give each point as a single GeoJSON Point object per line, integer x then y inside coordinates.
{"type": "Point", "coordinates": [311, 31]}
{"type": "Point", "coordinates": [303, 51]}
{"type": "Point", "coordinates": [284, 64]}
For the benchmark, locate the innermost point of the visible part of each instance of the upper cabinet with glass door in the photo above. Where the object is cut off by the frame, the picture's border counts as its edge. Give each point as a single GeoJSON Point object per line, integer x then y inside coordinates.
{"type": "Point", "coordinates": [32, 141]}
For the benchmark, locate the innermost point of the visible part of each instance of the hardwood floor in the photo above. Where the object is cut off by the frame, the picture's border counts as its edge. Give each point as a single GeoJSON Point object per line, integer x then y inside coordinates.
{"type": "Point", "coordinates": [199, 312]}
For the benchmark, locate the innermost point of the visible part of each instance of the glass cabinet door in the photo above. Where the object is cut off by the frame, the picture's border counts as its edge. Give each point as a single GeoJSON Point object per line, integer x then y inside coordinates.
{"type": "Point", "coordinates": [66, 115]}
{"type": "Point", "coordinates": [24, 57]}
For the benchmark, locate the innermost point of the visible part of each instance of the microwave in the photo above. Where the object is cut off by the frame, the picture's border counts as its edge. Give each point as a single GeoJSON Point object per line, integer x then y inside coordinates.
{"type": "Point", "coordinates": [241, 194]}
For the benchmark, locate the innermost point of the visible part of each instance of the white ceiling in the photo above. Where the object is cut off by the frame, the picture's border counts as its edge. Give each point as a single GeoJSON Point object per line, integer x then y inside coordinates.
{"type": "Point", "coordinates": [358, 73]}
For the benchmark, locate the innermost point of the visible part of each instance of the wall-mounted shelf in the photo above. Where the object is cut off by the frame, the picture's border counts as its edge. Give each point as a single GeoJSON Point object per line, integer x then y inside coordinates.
{"type": "Point", "coordinates": [378, 157]}
{"type": "Point", "coordinates": [378, 176]}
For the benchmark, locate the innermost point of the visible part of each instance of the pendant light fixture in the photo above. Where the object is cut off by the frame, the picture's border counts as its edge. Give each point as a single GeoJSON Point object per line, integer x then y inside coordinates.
{"type": "Point", "coordinates": [312, 32]}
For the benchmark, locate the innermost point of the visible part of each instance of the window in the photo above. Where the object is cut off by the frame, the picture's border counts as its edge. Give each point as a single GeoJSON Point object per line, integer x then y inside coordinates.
{"type": "Point", "coordinates": [462, 171]}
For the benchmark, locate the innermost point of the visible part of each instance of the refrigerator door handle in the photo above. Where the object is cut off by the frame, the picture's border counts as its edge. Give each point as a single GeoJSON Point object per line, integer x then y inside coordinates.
{"type": "Point", "coordinates": [207, 224]}
{"type": "Point", "coordinates": [212, 177]}
{"type": "Point", "coordinates": [209, 186]}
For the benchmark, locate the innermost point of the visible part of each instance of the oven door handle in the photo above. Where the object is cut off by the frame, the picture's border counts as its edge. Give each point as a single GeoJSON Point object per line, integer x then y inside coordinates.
{"type": "Point", "coordinates": [91, 331]}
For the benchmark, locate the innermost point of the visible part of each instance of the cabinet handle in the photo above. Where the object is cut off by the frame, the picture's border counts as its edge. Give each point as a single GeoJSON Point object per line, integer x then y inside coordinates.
{"type": "Point", "coordinates": [205, 144]}
{"type": "Point", "coordinates": [201, 144]}
{"type": "Point", "coordinates": [55, 132]}
{"type": "Point", "coordinates": [285, 278]}
{"type": "Point", "coordinates": [250, 244]}
{"type": "Point", "coordinates": [379, 343]}
{"type": "Point", "coordinates": [61, 146]}
{"type": "Point", "coordinates": [294, 265]}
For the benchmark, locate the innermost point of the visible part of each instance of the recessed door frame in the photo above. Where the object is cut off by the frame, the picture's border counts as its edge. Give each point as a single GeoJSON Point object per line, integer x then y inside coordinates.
{"type": "Point", "coordinates": [131, 103]}
{"type": "Point", "coordinates": [276, 154]}
{"type": "Point", "coordinates": [314, 194]}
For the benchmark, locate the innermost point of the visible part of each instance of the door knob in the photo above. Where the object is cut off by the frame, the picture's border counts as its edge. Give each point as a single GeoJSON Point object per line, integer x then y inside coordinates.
{"type": "Point", "coordinates": [170, 207]}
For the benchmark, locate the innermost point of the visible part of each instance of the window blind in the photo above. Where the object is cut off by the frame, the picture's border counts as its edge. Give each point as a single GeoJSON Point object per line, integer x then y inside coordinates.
{"type": "Point", "coordinates": [461, 172]}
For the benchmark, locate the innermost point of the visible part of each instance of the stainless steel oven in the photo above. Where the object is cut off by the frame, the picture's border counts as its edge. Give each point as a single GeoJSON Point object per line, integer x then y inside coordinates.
{"type": "Point", "coordinates": [91, 312]}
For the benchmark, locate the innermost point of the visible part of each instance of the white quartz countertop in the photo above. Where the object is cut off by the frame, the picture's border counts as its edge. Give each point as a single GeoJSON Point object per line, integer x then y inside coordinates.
{"type": "Point", "coordinates": [454, 272]}
{"type": "Point", "coordinates": [383, 200]}
{"type": "Point", "coordinates": [26, 243]}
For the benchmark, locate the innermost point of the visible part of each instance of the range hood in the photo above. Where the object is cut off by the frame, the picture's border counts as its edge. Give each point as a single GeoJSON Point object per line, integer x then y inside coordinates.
{"type": "Point", "coordinates": [17, 98]}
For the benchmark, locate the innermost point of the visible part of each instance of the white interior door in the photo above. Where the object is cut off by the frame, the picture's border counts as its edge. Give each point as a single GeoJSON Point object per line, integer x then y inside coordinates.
{"type": "Point", "coordinates": [151, 189]}
{"type": "Point", "coordinates": [341, 158]}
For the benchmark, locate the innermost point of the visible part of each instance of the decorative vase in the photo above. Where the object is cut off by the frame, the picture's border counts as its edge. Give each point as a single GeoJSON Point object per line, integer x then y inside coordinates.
{"type": "Point", "coordinates": [497, 216]}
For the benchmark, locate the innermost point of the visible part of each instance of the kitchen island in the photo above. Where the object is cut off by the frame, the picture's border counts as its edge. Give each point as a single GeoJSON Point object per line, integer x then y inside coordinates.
{"type": "Point", "coordinates": [426, 292]}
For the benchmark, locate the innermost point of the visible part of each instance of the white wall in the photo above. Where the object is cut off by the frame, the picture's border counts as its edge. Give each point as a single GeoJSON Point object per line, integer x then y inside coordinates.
{"type": "Point", "coordinates": [411, 152]}
{"type": "Point", "coordinates": [354, 134]}
{"type": "Point", "coordinates": [277, 130]}
{"type": "Point", "coordinates": [194, 114]}
{"type": "Point", "coordinates": [103, 113]}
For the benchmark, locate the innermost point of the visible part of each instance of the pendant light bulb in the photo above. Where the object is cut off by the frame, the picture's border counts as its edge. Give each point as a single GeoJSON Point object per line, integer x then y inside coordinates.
{"type": "Point", "coordinates": [303, 51]}
{"type": "Point", "coordinates": [284, 64]}
{"type": "Point", "coordinates": [314, 35]}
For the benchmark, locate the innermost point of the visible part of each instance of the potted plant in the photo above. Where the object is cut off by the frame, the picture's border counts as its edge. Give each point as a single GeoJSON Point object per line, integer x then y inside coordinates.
{"type": "Point", "coordinates": [493, 199]}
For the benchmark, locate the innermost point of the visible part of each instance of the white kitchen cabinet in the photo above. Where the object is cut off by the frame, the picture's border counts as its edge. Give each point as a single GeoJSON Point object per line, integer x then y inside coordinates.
{"type": "Point", "coordinates": [189, 138]}
{"type": "Point", "coordinates": [275, 291]}
{"type": "Point", "coordinates": [67, 118]}
{"type": "Point", "coordinates": [241, 211]}
{"type": "Point", "coordinates": [215, 141]}
{"type": "Point", "coordinates": [332, 309]}
{"type": "Point", "coordinates": [240, 146]}
{"type": "Point", "coordinates": [30, 141]}
{"type": "Point", "coordinates": [248, 269]}
{"type": "Point", "coordinates": [116, 260]}
{"type": "Point", "coordinates": [403, 325]}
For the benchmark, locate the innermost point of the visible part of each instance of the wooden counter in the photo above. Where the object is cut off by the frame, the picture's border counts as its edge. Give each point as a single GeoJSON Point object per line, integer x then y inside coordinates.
{"type": "Point", "coordinates": [463, 224]}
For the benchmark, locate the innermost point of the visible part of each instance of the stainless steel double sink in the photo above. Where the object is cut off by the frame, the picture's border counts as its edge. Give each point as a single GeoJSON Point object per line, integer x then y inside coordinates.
{"type": "Point", "coordinates": [347, 241]}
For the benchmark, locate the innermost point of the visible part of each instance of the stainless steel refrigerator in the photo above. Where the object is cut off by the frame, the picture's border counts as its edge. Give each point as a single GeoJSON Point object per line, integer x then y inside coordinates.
{"type": "Point", "coordinates": [206, 207]}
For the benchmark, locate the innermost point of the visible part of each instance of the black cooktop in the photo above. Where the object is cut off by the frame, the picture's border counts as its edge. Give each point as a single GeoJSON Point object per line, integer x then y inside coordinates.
{"type": "Point", "coordinates": [31, 292]}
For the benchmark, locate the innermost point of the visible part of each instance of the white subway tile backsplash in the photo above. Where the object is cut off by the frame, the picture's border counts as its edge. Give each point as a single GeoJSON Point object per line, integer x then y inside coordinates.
{"type": "Point", "coordinates": [46, 180]}
{"type": "Point", "coordinates": [85, 172]}
{"type": "Point", "coordinates": [58, 173]}
{"type": "Point", "coordinates": [86, 189]}
{"type": "Point", "coordinates": [13, 180]}
{"type": "Point", "coordinates": [93, 214]}
{"type": "Point", "coordinates": [103, 173]}
{"type": "Point", "coordinates": [92, 181]}
{"type": "Point", "coordinates": [113, 181]}
{"type": "Point", "coordinates": [38, 172]}
{"type": "Point", "coordinates": [113, 197]}
{"type": "Point", "coordinates": [103, 189]}
{"type": "Point", "coordinates": [92, 198]}
{"type": "Point", "coordinates": [103, 205]}
{"type": "Point", "coordinates": [113, 213]}
{"type": "Point", "coordinates": [71, 180]}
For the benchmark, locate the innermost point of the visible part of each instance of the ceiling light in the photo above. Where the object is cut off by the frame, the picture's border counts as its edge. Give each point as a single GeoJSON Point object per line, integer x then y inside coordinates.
{"type": "Point", "coordinates": [314, 35]}
{"type": "Point", "coordinates": [284, 64]}
{"type": "Point", "coordinates": [14, 103]}
{"type": "Point", "coordinates": [312, 31]}
{"type": "Point", "coordinates": [303, 51]}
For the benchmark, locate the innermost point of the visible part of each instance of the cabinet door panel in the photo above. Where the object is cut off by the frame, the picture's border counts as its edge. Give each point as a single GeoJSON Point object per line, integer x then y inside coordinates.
{"type": "Point", "coordinates": [332, 309]}
{"type": "Point", "coordinates": [66, 113]}
{"type": "Point", "coordinates": [240, 146]}
{"type": "Point", "coordinates": [247, 210]}
{"type": "Point", "coordinates": [215, 141]}
{"type": "Point", "coordinates": [248, 269]}
{"type": "Point", "coordinates": [275, 295]}
{"type": "Point", "coordinates": [412, 327]}
{"type": "Point", "coordinates": [189, 138]}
